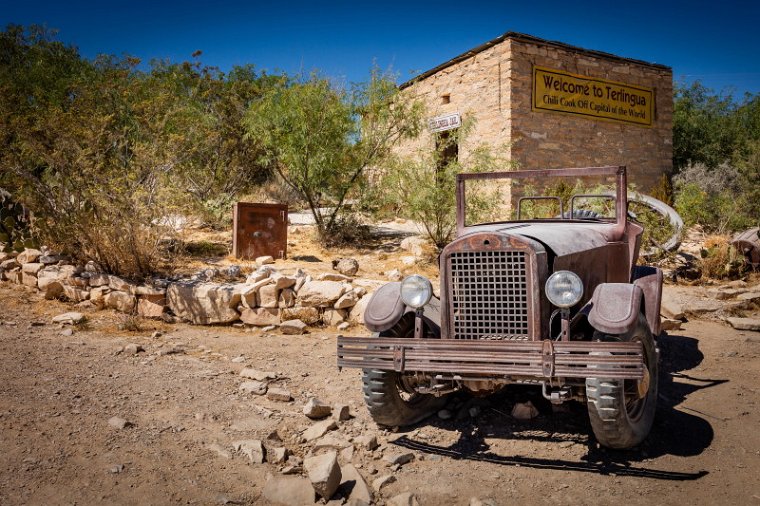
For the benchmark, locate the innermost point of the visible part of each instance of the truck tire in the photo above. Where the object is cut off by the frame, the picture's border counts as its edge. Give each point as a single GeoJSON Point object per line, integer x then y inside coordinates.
{"type": "Point", "coordinates": [620, 416]}
{"type": "Point", "coordinates": [390, 397]}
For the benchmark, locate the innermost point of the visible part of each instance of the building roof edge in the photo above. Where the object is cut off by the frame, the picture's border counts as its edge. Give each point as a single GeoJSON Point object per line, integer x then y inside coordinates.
{"type": "Point", "coordinates": [522, 37]}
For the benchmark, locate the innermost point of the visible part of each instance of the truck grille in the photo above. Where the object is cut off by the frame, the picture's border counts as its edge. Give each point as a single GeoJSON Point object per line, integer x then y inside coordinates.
{"type": "Point", "coordinates": [489, 295]}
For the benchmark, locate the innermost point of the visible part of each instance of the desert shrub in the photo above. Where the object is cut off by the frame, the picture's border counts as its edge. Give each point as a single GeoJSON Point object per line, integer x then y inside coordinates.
{"type": "Point", "coordinates": [714, 198]}
{"type": "Point", "coordinates": [347, 230]}
{"type": "Point", "coordinates": [720, 260]}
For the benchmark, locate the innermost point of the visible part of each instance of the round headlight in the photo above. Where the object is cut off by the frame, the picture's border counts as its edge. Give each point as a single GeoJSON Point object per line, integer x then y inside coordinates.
{"type": "Point", "coordinates": [564, 289]}
{"type": "Point", "coordinates": [416, 291]}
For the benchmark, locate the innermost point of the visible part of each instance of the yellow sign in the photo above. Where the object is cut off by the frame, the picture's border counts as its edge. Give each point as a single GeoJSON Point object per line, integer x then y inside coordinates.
{"type": "Point", "coordinates": [558, 91]}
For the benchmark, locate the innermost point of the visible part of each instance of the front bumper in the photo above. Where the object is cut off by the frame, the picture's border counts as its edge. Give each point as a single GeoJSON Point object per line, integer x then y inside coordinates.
{"type": "Point", "coordinates": [525, 359]}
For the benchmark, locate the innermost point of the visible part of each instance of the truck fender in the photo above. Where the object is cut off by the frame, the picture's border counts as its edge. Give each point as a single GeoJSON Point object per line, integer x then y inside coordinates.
{"type": "Point", "coordinates": [615, 307]}
{"type": "Point", "coordinates": [386, 308]}
{"type": "Point", "coordinates": [649, 279]}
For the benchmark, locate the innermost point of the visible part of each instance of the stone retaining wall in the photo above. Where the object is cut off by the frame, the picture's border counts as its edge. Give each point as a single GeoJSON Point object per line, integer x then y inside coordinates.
{"type": "Point", "coordinates": [266, 297]}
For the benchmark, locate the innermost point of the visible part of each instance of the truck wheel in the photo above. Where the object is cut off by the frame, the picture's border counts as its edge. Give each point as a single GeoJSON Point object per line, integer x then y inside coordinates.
{"type": "Point", "coordinates": [622, 411]}
{"type": "Point", "coordinates": [390, 396]}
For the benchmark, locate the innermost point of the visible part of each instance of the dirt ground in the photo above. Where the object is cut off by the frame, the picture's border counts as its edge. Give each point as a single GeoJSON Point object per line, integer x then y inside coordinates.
{"type": "Point", "coordinates": [58, 392]}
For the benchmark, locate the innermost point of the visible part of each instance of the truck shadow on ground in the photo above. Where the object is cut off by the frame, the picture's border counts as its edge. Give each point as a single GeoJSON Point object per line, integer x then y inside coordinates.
{"type": "Point", "coordinates": [676, 432]}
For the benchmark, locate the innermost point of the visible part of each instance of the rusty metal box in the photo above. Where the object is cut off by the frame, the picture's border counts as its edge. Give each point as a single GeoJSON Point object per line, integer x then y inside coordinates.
{"type": "Point", "coordinates": [259, 230]}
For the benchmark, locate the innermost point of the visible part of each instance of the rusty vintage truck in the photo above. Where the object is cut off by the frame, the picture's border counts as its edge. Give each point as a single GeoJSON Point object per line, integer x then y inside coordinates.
{"type": "Point", "coordinates": [559, 303]}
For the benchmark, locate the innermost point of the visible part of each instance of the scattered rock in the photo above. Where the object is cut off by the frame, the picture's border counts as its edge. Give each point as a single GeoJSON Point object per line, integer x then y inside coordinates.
{"type": "Point", "coordinates": [383, 480]}
{"type": "Point", "coordinates": [257, 375]}
{"type": "Point", "coordinates": [279, 394]}
{"type": "Point", "coordinates": [287, 298]}
{"type": "Point", "coordinates": [701, 307]}
{"type": "Point", "coordinates": [319, 429]}
{"type": "Point", "coordinates": [399, 458]}
{"type": "Point", "coordinates": [324, 473]}
{"type": "Point", "coordinates": [753, 297]}
{"type": "Point", "coordinates": [341, 412]}
{"type": "Point", "coordinates": [253, 387]}
{"type": "Point", "coordinates": [133, 349]}
{"type": "Point", "coordinates": [725, 293]}
{"type": "Point", "coordinates": [366, 441]}
{"type": "Point", "coordinates": [474, 501]}
{"type": "Point", "coordinates": [343, 326]}
{"type": "Point", "coordinates": [671, 308]}
{"type": "Point", "coordinates": [353, 485]}
{"type": "Point", "coordinates": [745, 323]}
{"type": "Point", "coordinates": [416, 245]}
{"type": "Point", "coordinates": [334, 276]}
{"type": "Point", "coordinates": [119, 423]}
{"type": "Point", "coordinates": [277, 455]}
{"type": "Point", "coordinates": [75, 294]}
{"type": "Point", "coordinates": [405, 499]}
{"type": "Point", "coordinates": [395, 275]}
{"type": "Point", "coordinates": [288, 491]}
{"type": "Point", "coordinates": [524, 411]}
{"type": "Point", "coordinates": [408, 260]}
{"type": "Point", "coordinates": [331, 442]}
{"type": "Point", "coordinates": [293, 327]}
{"type": "Point", "coordinates": [264, 260]}
{"type": "Point", "coordinates": [69, 318]}
{"type": "Point", "coordinates": [282, 281]}
{"type": "Point", "coordinates": [357, 312]}
{"type": "Point", "coordinates": [316, 409]}
{"type": "Point", "coordinates": [346, 266]}
{"type": "Point", "coordinates": [67, 332]}
{"type": "Point", "coordinates": [251, 448]}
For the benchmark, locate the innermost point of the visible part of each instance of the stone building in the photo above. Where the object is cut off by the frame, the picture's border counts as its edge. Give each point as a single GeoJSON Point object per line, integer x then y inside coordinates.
{"type": "Point", "coordinates": [552, 105]}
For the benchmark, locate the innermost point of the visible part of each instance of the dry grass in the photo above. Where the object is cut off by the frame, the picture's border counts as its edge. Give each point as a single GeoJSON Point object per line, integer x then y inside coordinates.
{"type": "Point", "coordinates": [720, 260]}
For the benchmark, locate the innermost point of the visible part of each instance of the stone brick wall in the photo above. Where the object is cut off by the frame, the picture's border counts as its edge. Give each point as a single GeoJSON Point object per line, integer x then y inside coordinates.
{"type": "Point", "coordinates": [493, 88]}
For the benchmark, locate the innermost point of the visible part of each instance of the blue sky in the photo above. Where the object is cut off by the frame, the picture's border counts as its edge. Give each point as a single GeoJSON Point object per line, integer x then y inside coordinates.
{"type": "Point", "coordinates": [715, 42]}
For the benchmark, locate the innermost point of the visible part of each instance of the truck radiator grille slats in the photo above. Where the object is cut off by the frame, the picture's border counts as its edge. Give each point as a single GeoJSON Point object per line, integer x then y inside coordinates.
{"type": "Point", "coordinates": [489, 295]}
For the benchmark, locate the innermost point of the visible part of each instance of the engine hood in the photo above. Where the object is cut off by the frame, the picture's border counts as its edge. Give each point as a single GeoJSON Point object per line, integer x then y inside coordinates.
{"type": "Point", "coordinates": [562, 238]}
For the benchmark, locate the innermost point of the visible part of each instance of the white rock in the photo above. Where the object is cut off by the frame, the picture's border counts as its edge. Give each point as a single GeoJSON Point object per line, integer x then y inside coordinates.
{"type": "Point", "coordinates": [319, 429]}
{"type": "Point", "coordinates": [204, 303]}
{"type": "Point", "coordinates": [381, 481]}
{"type": "Point", "coordinates": [745, 323]}
{"type": "Point", "coordinates": [251, 448]}
{"type": "Point", "coordinates": [346, 266]}
{"type": "Point", "coordinates": [320, 293]}
{"type": "Point", "coordinates": [257, 375]}
{"type": "Point", "coordinates": [69, 318]}
{"type": "Point", "coordinates": [347, 300]}
{"type": "Point", "coordinates": [343, 326]}
{"type": "Point", "coordinates": [366, 441]}
{"type": "Point", "coordinates": [253, 387]}
{"type": "Point", "coordinates": [32, 268]}
{"type": "Point", "coordinates": [352, 480]}
{"type": "Point", "coordinates": [260, 317]}
{"type": "Point", "coordinates": [395, 275]}
{"type": "Point", "coordinates": [277, 455]}
{"type": "Point", "coordinates": [118, 423]}
{"type": "Point", "coordinates": [324, 473]}
{"type": "Point", "coordinates": [308, 315]}
{"type": "Point", "coordinates": [316, 409]}
{"type": "Point", "coordinates": [268, 296]}
{"type": "Point", "coordinates": [333, 276]}
{"type": "Point", "coordinates": [28, 256]}
{"type": "Point", "coordinates": [279, 394]}
{"type": "Point", "coordinates": [293, 327]}
{"type": "Point", "coordinates": [357, 312]}
{"type": "Point", "coordinates": [416, 245]}
{"type": "Point", "coordinates": [341, 412]}
{"type": "Point", "coordinates": [121, 301]}
{"type": "Point", "coordinates": [399, 458]}
{"type": "Point", "coordinates": [334, 317]}
{"type": "Point", "coordinates": [264, 260]}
